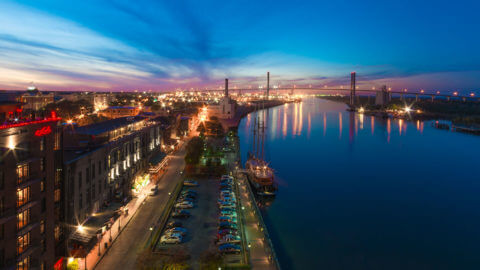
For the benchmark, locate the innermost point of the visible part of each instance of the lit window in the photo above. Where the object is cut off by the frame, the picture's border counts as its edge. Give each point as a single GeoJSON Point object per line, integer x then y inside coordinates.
{"type": "Point", "coordinates": [22, 244]}
{"type": "Point", "coordinates": [23, 218]}
{"type": "Point", "coordinates": [23, 196]}
{"type": "Point", "coordinates": [22, 172]}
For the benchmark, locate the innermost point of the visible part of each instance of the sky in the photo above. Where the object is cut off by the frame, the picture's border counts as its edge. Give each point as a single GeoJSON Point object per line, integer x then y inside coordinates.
{"type": "Point", "coordinates": [163, 45]}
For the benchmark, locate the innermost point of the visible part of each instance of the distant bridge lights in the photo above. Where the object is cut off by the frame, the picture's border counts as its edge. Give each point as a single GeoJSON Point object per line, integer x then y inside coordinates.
{"type": "Point", "coordinates": [472, 94]}
{"type": "Point", "coordinates": [455, 93]}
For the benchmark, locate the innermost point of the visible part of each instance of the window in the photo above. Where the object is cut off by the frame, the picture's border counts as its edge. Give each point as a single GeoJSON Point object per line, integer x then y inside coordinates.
{"type": "Point", "coordinates": [23, 219]}
{"type": "Point", "coordinates": [22, 243]}
{"type": "Point", "coordinates": [93, 171]}
{"type": "Point", "coordinates": [57, 195]}
{"type": "Point", "coordinates": [58, 177]}
{"type": "Point", "coordinates": [22, 172]}
{"type": "Point", "coordinates": [2, 206]}
{"type": "Point", "coordinates": [56, 145]}
{"type": "Point", "coordinates": [2, 180]}
{"type": "Point", "coordinates": [44, 205]}
{"type": "Point", "coordinates": [42, 164]}
{"type": "Point", "coordinates": [2, 232]}
{"type": "Point", "coordinates": [80, 201]}
{"type": "Point", "coordinates": [93, 191]}
{"type": "Point", "coordinates": [99, 167]}
{"type": "Point", "coordinates": [24, 264]}
{"type": "Point", "coordinates": [58, 232]}
{"type": "Point", "coordinates": [88, 197]}
{"type": "Point", "coordinates": [42, 226]}
{"type": "Point", "coordinates": [23, 196]}
{"type": "Point", "coordinates": [42, 144]}
{"type": "Point", "coordinates": [43, 243]}
{"type": "Point", "coordinates": [42, 185]}
{"type": "Point", "coordinates": [87, 175]}
{"type": "Point", "coordinates": [79, 179]}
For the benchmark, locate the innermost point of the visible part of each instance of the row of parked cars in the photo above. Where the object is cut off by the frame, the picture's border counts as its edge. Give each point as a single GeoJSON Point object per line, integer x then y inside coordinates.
{"type": "Point", "coordinates": [228, 236]}
{"type": "Point", "coordinates": [174, 231]}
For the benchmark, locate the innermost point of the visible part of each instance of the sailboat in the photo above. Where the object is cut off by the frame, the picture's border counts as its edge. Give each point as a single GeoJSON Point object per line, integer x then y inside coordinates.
{"type": "Point", "coordinates": [260, 175]}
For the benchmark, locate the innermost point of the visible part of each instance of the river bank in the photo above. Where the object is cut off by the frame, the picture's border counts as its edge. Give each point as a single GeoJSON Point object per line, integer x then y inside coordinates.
{"type": "Point", "coordinates": [464, 116]}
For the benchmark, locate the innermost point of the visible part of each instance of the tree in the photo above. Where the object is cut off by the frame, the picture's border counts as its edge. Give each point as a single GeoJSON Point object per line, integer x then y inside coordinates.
{"type": "Point", "coordinates": [194, 150]}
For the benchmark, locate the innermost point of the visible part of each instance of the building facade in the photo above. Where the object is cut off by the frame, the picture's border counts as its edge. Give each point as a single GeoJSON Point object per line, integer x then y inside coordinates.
{"type": "Point", "coordinates": [103, 165]}
{"type": "Point", "coordinates": [30, 194]}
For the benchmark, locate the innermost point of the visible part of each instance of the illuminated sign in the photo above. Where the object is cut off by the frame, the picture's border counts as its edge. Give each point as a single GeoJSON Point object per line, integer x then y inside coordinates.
{"type": "Point", "coordinates": [43, 131]}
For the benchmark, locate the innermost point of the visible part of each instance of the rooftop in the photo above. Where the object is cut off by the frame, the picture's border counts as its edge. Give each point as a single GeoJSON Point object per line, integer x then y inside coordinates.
{"type": "Point", "coordinates": [105, 126]}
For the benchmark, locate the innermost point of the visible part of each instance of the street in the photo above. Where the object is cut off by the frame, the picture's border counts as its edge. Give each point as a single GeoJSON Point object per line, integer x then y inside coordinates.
{"type": "Point", "coordinates": [124, 251]}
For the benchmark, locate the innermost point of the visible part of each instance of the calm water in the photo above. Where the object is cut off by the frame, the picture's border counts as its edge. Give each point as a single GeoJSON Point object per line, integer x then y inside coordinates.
{"type": "Point", "coordinates": [367, 193]}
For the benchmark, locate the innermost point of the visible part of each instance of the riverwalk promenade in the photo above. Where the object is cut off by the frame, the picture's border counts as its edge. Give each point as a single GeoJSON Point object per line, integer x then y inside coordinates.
{"type": "Point", "coordinates": [261, 252]}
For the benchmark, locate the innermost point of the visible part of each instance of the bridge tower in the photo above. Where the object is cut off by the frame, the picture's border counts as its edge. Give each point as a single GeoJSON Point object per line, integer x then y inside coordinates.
{"type": "Point", "coordinates": [352, 88]}
{"type": "Point", "coordinates": [268, 85]}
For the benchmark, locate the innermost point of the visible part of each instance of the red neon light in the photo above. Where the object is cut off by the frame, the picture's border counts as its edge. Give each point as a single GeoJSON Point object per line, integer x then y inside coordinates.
{"type": "Point", "coordinates": [43, 131]}
{"type": "Point", "coordinates": [30, 123]}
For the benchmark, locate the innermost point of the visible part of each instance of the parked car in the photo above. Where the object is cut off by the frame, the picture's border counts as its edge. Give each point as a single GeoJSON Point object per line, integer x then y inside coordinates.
{"type": "Point", "coordinates": [229, 238]}
{"type": "Point", "coordinates": [181, 213]}
{"type": "Point", "coordinates": [190, 183]}
{"type": "Point", "coordinates": [190, 191]}
{"type": "Point", "coordinates": [227, 199]}
{"type": "Point", "coordinates": [221, 233]}
{"type": "Point", "coordinates": [227, 225]}
{"type": "Point", "coordinates": [226, 205]}
{"type": "Point", "coordinates": [227, 193]}
{"type": "Point", "coordinates": [184, 205]}
{"type": "Point", "coordinates": [171, 239]}
{"type": "Point", "coordinates": [227, 213]}
{"type": "Point", "coordinates": [179, 230]}
{"type": "Point", "coordinates": [226, 177]}
{"type": "Point", "coordinates": [173, 224]}
{"type": "Point", "coordinates": [229, 248]}
{"type": "Point", "coordinates": [188, 195]}
{"type": "Point", "coordinates": [228, 219]}
{"type": "Point", "coordinates": [185, 199]}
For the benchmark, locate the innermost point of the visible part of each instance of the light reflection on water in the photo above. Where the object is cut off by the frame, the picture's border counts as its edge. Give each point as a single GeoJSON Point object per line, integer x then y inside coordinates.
{"type": "Point", "coordinates": [385, 194]}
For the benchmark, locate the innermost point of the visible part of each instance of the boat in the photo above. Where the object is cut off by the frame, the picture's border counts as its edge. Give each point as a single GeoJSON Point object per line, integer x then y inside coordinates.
{"type": "Point", "coordinates": [260, 175]}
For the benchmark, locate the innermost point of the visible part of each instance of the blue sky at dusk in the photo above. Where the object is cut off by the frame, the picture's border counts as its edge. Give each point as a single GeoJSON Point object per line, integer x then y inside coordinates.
{"type": "Point", "coordinates": [160, 45]}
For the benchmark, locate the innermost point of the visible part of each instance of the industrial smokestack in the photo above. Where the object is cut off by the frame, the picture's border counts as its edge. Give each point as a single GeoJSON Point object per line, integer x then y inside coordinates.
{"type": "Point", "coordinates": [226, 87]}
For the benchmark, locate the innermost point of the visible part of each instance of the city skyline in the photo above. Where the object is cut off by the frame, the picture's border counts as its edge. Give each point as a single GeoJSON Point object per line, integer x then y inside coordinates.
{"type": "Point", "coordinates": [160, 46]}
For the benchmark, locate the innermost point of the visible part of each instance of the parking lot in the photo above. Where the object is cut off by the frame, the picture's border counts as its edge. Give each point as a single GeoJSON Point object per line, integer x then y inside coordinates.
{"type": "Point", "coordinates": [202, 224]}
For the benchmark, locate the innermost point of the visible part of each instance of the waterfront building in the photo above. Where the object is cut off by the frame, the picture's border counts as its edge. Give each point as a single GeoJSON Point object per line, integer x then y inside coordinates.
{"type": "Point", "coordinates": [225, 108]}
{"type": "Point", "coordinates": [105, 164]}
{"type": "Point", "coordinates": [30, 190]}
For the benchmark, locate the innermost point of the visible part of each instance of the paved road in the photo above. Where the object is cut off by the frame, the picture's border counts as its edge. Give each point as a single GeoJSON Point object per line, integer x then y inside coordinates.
{"type": "Point", "coordinates": [123, 253]}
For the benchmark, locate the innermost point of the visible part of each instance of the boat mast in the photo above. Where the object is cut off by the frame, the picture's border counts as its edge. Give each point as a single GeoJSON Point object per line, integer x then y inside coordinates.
{"type": "Point", "coordinates": [254, 132]}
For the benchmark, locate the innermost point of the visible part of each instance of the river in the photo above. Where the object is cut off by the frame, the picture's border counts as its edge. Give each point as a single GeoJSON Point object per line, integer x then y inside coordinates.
{"type": "Point", "coordinates": [359, 192]}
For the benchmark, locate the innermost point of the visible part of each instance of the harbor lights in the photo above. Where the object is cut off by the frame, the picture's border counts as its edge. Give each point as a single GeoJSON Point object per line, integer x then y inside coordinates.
{"type": "Point", "coordinates": [361, 110]}
{"type": "Point", "coordinates": [80, 228]}
{"type": "Point", "coordinates": [407, 109]}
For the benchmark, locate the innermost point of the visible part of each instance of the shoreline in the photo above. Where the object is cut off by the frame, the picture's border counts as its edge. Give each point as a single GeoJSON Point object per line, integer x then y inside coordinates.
{"type": "Point", "coordinates": [458, 122]}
